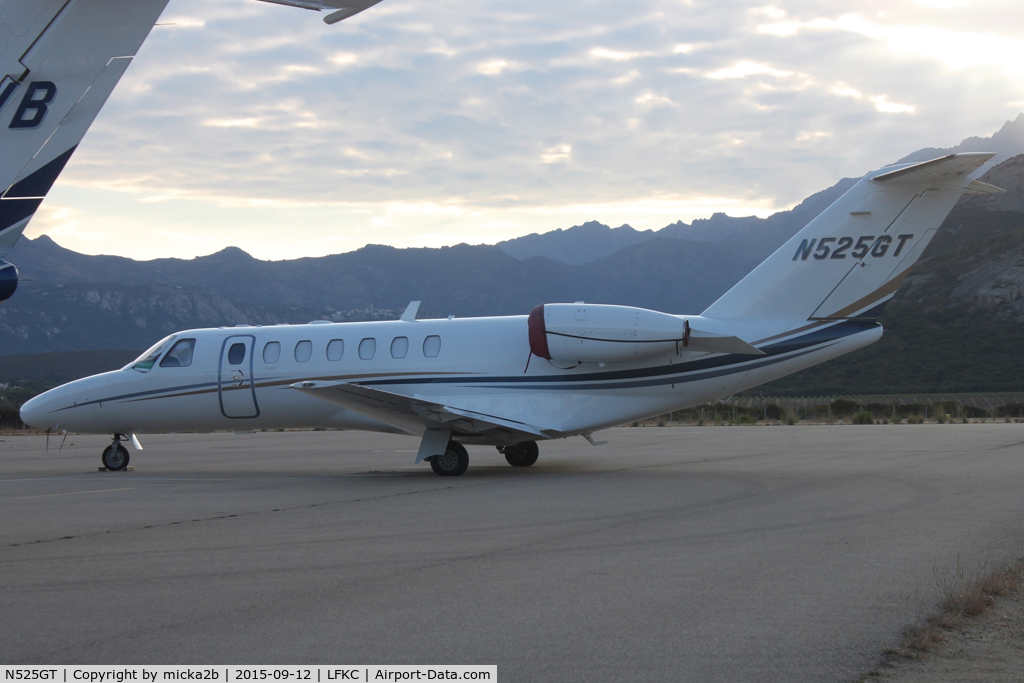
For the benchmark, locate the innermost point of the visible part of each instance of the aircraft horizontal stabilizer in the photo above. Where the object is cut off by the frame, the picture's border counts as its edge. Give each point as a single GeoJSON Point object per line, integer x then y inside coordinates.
{"type": "Point", "coordinates": [945, 170]}
{"type": "Point", "coordinates": [414, 415]}
{"type": "Point", "coordinates": [712, 344]}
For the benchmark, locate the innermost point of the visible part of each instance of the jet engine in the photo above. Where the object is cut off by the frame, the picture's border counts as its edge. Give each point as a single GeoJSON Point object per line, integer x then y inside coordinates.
{"type": "Point", "coordinates": [600, 333]}
{"type": "Point", "coordinates": [8, 280]}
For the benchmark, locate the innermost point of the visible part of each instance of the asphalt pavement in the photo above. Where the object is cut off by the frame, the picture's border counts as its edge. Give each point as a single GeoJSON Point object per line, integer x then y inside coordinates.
{"type": "Point", "coordinates": [679, 553]}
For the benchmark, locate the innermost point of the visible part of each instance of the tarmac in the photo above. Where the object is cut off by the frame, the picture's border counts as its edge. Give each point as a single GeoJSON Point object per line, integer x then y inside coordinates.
{"type": "Point", "coordinates": [757, 553]}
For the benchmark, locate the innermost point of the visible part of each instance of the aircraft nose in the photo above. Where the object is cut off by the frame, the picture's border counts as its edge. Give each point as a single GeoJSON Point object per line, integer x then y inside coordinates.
{"type": "Point", "coordinates": [35, 412]}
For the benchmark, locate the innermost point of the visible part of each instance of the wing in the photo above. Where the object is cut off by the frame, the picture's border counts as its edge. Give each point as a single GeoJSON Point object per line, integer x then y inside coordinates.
{"type": "Point", "coordinates": [417, 415]}
{"type": "Point", "coordinates": [340, 9]}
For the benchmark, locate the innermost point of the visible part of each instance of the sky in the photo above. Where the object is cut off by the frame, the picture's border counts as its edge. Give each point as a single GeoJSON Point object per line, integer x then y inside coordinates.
{"type": "Point", "coordinates": [430, 123]}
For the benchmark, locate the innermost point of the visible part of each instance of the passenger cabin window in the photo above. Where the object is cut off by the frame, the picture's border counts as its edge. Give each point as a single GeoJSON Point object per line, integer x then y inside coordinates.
{"type": "Point", "coordinates": [399, 347]}
{"type": "Point", "coordinates": [432, 346]}
{"type": "Point", "coordinates": [367, 348]}
{"type": "Point", "coordinates": [145, 362]}
{"type": "Point", "coordinates": [272, 352]}
{"type": "Point", "coordinates": [180, 355]}
{"type": "Point", "coordinates": [236, 354]}
{"type": "Point", "coordinates": [303, 350]}
{"type": "Point", "coordinates": [335, 349]}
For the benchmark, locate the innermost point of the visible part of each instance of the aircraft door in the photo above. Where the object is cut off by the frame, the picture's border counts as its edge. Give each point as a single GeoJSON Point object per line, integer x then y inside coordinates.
{"type": "Point", "coordinates": [235, 386]}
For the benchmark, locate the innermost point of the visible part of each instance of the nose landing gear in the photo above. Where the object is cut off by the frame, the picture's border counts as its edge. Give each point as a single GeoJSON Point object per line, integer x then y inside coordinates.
{"type": "Point", "coordinates": [115, 456]}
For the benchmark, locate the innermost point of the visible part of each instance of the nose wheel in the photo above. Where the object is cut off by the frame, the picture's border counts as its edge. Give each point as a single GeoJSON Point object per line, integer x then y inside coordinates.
{"type": "Point", "coordinates": [452, 463]}
{"type": "Point", "coordinates": [115, 456]}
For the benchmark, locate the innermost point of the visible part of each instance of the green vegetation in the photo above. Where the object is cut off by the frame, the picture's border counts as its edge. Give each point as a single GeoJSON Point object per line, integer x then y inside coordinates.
{"type": "Point", "coordinates": [863, 417]}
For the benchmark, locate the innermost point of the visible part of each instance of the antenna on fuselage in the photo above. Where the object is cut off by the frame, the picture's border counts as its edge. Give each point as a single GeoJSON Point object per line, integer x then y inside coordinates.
{"type": "Point", "coordinates": [409, 315]}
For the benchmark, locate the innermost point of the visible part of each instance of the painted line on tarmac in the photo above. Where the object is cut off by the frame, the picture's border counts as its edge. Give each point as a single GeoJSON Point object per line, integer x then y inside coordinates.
{"type": "Point", "coordinates": [73, 493]}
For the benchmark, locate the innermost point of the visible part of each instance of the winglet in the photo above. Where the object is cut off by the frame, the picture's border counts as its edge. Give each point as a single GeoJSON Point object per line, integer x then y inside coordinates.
{"type": "Point", "coordinates": [410, 312]}
{"type": "Point", "coordinates": [343, 9]}
{"type": "Point", "coordinates": [353, 8]}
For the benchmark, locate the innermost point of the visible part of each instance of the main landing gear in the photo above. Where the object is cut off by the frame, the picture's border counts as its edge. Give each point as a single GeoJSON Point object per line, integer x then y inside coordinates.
{"type": "Point", "coordinates": [452, 463]}
{"type": "Point", "coordinates": [455, 460]}
{"type": "Point", "coordinates": [522, 454]}
{"type": "Point", "coordinates": [115, 456]}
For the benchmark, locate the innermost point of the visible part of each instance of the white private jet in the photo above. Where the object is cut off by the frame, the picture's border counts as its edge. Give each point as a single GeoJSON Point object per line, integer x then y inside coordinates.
{"type": "Point", "coordinates": [59, 62]}
{"type": "Point", "coordinates": [563, 370]}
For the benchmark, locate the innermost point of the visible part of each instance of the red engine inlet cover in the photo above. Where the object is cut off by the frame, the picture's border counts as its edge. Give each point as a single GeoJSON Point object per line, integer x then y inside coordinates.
{"type": "Point", "coordinates": [539, 334]}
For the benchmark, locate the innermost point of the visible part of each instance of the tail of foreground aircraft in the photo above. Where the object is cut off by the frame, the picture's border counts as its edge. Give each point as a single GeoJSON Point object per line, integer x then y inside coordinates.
{"type": "Point", "coordinates": [850, 260]}
{"type": "Point", "coordinates": [59, 62]}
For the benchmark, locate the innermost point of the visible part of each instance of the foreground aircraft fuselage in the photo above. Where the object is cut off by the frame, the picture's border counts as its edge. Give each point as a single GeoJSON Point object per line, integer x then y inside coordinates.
{"type": "Point", "coordinates": [564, 370]}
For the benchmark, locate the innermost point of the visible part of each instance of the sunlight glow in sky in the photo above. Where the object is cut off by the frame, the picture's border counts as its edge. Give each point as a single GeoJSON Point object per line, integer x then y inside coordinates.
{"type": "Point", "coordinates": [424, 123]}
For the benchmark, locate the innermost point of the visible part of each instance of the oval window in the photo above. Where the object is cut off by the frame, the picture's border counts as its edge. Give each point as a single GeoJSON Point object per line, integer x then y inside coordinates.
{"type": "Point", "coordinates": [367, 348]}
{"type": "Point", "coordinates": [303, 350]}
{"type": "Point", "coordinates": [272, 352]}
{"type": "Point", "coordinates": [336, 349]}
{"type": "Point", "coordinates": [432, 346]}
{"type": "Point", "coordinates": [399, 347]}
{"type": "Point", "coordinates": [236, 354]}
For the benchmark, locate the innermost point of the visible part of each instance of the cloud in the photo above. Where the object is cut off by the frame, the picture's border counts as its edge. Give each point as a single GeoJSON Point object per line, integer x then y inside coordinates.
{"type": "Point", "coordinates": [745, 68]}
{"type": "Point", "coordinates": [486, 119]}
{"type": "Point", "coordinates": [557, 154]}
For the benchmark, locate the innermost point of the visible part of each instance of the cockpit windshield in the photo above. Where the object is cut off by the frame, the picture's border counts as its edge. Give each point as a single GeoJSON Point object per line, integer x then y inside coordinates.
{"type": "Point", "coordinates": [145, 362]}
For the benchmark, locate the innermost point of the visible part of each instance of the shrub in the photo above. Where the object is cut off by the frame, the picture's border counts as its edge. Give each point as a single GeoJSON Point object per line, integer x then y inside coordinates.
{"type": "Point", "coordinates": [915, 419]}
{"type": "Point", "coordinates": [842, 407]}
{"type": "Point", "coordinates": [1008, 410]}
{"type": "Point", "coordinates": [863, 417]}
{"type": "Point", "coordinates": [972, 411]}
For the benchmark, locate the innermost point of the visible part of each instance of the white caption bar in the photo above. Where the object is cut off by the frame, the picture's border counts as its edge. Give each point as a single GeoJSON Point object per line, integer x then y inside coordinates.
{"type": "Point", "coordinates": [231, 674]}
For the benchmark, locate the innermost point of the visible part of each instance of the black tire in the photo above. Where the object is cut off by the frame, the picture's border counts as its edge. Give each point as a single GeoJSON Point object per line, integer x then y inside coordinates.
{"type": "Point", "coordinates": [522, 454]}
{"type": "Point", "coordinates": [453, 463]}
{"type": "Point", "coordinates": [116, 461]}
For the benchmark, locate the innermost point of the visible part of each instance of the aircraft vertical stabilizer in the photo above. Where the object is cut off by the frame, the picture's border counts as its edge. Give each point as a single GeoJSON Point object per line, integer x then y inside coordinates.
{"type": "Point", "coordinates": [59, 62]}
{"type": "Point", "coordinates": [62, 61]}
{"type": "Point", "coordinates": [850, 260]}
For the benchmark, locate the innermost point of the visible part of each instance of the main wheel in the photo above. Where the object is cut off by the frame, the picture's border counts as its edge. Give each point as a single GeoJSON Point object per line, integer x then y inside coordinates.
{"type": "Point", "coordinates": [522, 454]}
{"type": "Point", "coordinates": [115, 460]}
{"type": "Point", "coordinates": [452, 462]}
